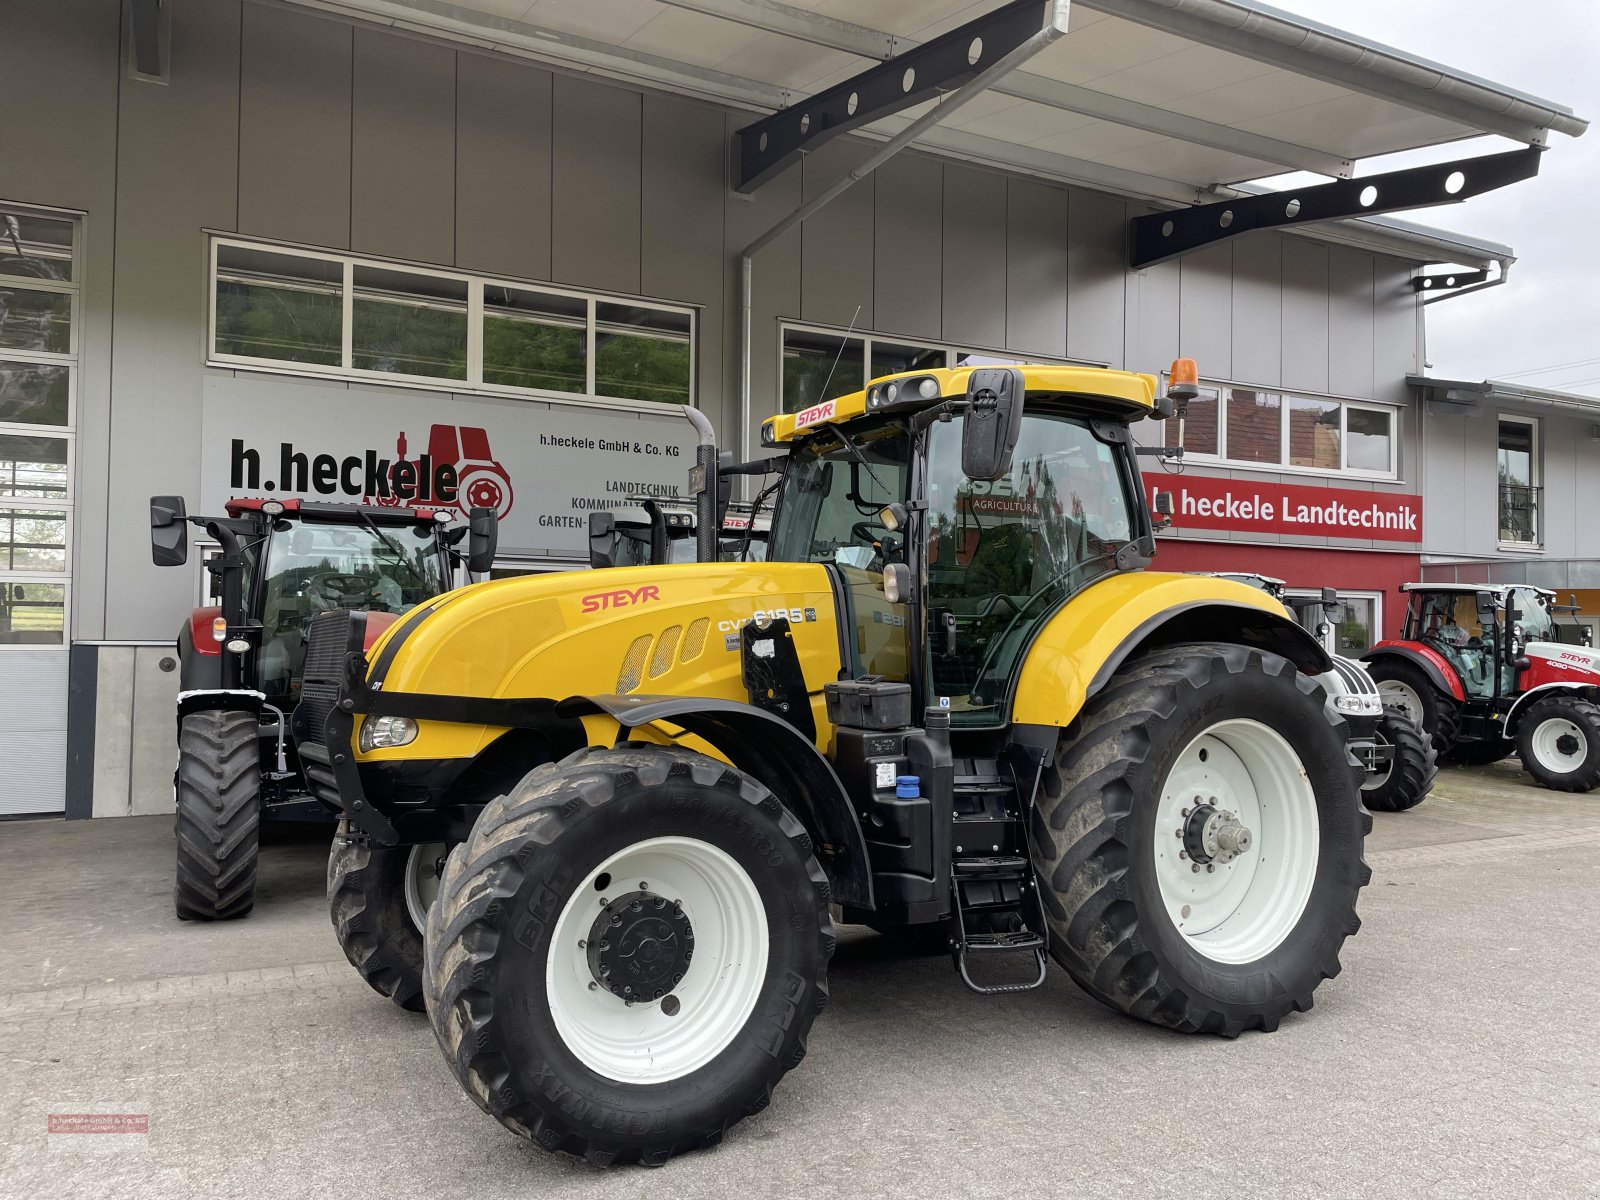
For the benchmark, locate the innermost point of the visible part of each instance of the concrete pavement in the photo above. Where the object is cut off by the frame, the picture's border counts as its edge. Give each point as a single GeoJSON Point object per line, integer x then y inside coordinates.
{"type": "Point", "coordinates": [1455, 1056]}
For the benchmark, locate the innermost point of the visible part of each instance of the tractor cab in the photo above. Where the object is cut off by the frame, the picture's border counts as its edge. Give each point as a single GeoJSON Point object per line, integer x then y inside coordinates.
{"type": "Point", "coordinates": [656, 531]}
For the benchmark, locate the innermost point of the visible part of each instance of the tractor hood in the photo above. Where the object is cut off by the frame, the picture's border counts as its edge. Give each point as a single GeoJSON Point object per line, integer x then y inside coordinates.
{"type": "Point", "coordinates": [649, 630]}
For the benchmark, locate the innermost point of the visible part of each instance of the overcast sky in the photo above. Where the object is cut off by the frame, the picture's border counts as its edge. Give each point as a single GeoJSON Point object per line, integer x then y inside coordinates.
{"type": "Point", "coordinates": [1549, 312]}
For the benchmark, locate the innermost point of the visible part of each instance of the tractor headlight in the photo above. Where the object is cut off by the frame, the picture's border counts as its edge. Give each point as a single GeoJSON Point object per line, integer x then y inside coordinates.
{"type": "Point", "coordinates": [378, 733]}
{"type": "Point", "coordinates": [1358, 705]}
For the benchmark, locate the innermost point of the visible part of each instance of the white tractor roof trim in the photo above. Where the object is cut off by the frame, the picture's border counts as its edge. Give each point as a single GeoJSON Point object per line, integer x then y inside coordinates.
{"type": "Point", "coordinates": [1171, 101]}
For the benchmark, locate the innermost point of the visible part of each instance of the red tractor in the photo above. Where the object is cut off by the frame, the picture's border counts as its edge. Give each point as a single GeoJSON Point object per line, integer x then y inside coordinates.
{"type": "Point", "coordinates": [1485, 671]}
{"type": "Point", "coordinates": [242, 659]}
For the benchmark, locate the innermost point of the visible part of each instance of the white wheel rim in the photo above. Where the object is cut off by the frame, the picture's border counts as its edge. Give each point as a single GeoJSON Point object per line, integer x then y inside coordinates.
{"type": "Point", "coordinates": [1241, 910]}
{"type": "Point", "coordinates": [643, 1043]}
{"type": "Point", "coordinates": [1403, 696]}
{"type": "Point", "coordinates": [422, 880]}
{"type": "Point", "coordinates": [1549, 737]}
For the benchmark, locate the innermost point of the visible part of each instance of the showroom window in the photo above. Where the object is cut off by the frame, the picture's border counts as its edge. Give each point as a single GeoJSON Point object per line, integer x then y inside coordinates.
{"type": "Point", "coordinates": [39, 314]}
{"type": "Point", "coordinates": [323, 313]}
{"type": "Point", "coordinates": [823, 364]}
{"type": "Point", "coordinates": [1284, 430]}
{"type": "Point", "coordinates": [1518, 455]}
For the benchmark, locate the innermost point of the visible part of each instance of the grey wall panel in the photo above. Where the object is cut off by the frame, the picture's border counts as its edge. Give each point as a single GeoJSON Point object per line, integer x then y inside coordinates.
{"type": "Point", "coordinates": [1350, 362]}
{"type": "Point", "coordinates": [294, 126]}
{"type": "Point", "coordinates": [503, 167]}
{"type": "Point", "coordinates": [908, 276]}
{"type": "Point", "coordinates": [1205, 311]}
{"type": "Point", "coordinates": [1036, 268]}
{"type": "Point", "coordinates": [1097, 277]}
{"type": "Point", "coordinates": [167, 195]}
{"type": "Point", "coordinates": [683, 197]}
{"type": "Point", "coordinates": [1305, 315]}
{"type": "Point", "coordinates": [1586, 493]}
{"type": "Point", "coordinates": [1396, 336]}
{"type": "Point", "coordinates": [1560, 452]}
{"type": "Point", "coordinates": [403, 164]}
{"type": "Point", "coordinates": [595, 225]}
{"type": "Point", "coordinates": [1154, 320]}
{"type": "Point", "coordinates": [836, 264]}
{"type": "Point", "coordinates": [776, 274]}
{"type": "Point", "coordinates": [68, 50]}
{"type": "Point", "coordinates": [155, 697]}
{"type": "Point", "coordinates": [1480, 499]}
{"type": "Point", "coordinates": [1258, 310]}
{"type": "Point", "coordinates": [974, 257]}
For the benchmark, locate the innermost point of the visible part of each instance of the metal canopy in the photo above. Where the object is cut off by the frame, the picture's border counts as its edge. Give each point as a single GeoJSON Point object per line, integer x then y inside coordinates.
{"type": "Point", "coordinates": [1173, 101]}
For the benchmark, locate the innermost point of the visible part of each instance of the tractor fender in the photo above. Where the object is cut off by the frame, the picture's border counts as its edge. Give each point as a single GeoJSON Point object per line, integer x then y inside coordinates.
{"type": "Point", "coordinates": [1078, 650]}
{"type": "Point", "coordinates": [772, 751]}
{"type": "Point", "coordinates": [1534, 694]}
{"type": "Point", "coordinates": [1431, 663]}
{"type": "Point", "coordinates": [198, 669]}
{"type": "Point", "coordinates": [225, 699]}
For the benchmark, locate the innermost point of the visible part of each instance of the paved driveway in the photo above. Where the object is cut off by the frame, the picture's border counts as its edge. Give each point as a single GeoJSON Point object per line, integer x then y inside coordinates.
{"type": "Point", "coordinates": [1457, 1055]}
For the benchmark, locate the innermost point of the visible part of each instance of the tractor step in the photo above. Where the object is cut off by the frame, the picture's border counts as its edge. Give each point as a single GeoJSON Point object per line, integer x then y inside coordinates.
{"type": "Point", "coordinates": [991, 866]}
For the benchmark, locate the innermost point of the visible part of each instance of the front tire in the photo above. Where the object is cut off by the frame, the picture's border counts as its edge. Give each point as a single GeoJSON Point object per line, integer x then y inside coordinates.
{"type": "Point", "coordinates": [378, 898]}
{"type": "Point", "coordinates": [643, 867]}
{"type": "Point", "coordinates": [1558, 741]}
{"type": "Point", "coordinates": [219, 815]}
{"type": "Point", "coordinates": [1412, 769]}
{"type": "Point", "coordinates": [1123, 835]}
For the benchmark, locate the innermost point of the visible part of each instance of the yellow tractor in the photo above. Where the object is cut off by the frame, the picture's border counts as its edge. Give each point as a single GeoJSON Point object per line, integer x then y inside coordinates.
{"type": "Point", "coordinates": [606, 821]}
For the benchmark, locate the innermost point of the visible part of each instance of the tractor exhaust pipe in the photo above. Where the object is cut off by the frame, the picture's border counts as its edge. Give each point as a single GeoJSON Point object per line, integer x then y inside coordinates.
{"type": "Point", "coordinates": [703, 483]}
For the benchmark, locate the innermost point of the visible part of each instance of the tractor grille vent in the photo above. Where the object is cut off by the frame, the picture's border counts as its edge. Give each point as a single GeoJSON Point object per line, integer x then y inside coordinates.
{"type": "Point", "coordinates": [695, 642]}
{"type": "Point", "coordinates": [327, 642]}
{"type": "Point", "coordinates": [666, 647]}
{"type": "Point", "coordinates": [1354, 676]}
{"type": "Point", "coordinates": [633, 664]}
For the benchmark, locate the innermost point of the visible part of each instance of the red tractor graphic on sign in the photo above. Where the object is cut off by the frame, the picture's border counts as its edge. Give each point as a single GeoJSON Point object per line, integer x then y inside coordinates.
{"type": "Point", "coordinates": [481, 482]}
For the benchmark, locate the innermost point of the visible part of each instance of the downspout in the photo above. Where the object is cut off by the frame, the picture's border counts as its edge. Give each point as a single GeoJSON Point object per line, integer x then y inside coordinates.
{"type": "Point", "coordinates": [1054, 29]}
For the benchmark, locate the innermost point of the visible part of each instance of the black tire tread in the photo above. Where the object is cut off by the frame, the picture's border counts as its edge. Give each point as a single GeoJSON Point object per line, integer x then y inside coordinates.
{"type": "Point", "coordinates": [485, 870]}
{"type": "Point", "coordinates": [1446, 710]}
{"type": "Point", "coordinates": [218, 822]}
{"type": "Point", "coordinates": [1081, 855]}
{"type": "Point", "coordinates": [1416, 766]}
{"type": "Point", "coordinates": [358, 885]}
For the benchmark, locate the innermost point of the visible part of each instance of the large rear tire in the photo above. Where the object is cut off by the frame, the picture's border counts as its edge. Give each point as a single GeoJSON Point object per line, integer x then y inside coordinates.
{"type": "Point", "coordinates": [1157, 905]}
{"type": "Point", "coordinates": [648, 868]}
{"type": "Point", "coordinates": [378, 897]}
{"type": "Point", "coordinates": [219, 815]}
{"type": "Point", "coordinates": [1404, 686]}
{"type": "Point", "coordinates": [1412, 768]}
{"type": "Point", "coordinates": [1558, 741]}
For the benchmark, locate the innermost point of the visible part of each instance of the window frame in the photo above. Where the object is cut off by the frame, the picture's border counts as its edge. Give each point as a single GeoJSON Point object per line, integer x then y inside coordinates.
{"type": "Point", "coordinates": [867, 337]}
{"type": "Point", "coordinates": [71, 359]}
{"type": "Point", "coordinates": [1330, 643]}
{"type": "Point", "coordinates": [1224, 389]}
{"type": "Point", "coordinates": [1535, 481]}
{"type": "Point", "coordinates": [475, 282]}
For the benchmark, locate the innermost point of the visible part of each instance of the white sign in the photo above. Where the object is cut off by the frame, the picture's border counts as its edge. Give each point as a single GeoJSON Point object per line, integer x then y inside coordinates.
{"type": "Point", "coordinates": [543, 468]}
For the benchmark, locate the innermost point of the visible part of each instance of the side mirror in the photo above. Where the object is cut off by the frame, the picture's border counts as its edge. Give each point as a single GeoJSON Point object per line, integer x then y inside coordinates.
{"type": "Point", "coordinates": [1330, 604]}
{"type": "Point", "coordinates": [1164, 503]}
{"type": "Point", "coordinates": [603, 538]}
{"type": "Point", "coordinates": [483, 536]}
{"type": "Point", "coordinates": [1486, 608]}
{"type": "Point", "coordinates": [169, 531]}
{"type": "Point", "coordinates": [992, 422]}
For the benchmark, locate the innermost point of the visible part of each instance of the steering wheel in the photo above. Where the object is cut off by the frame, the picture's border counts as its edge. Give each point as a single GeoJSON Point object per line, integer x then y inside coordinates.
{"type": "Point", "coordinates": [340, 587]}
{"type": "Point", "coordinates": [994, 602]}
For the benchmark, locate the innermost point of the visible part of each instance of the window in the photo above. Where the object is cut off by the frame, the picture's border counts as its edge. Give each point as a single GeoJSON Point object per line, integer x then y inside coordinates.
{"type": "Point", "coordinates": [824, 364]}
{"type": "Point", "coordinates": [39, 296]}
{"type": "Point", "coordinates": [1518, 454]}
{"type": "Point", "coordinates": [1302, 433]}
{"type": "Point", "coordinates": [323, 313]}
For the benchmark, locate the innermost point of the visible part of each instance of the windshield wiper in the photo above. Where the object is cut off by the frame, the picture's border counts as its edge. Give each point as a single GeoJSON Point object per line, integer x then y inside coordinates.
{"type": "Point", "coordinates": [862, 459]}
{"type": "Point", "coordinates": [399, 554]}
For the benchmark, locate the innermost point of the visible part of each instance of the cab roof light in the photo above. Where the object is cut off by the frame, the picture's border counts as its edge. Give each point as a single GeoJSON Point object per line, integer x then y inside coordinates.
{"type": "Point", "coordinates": [1183, 379]}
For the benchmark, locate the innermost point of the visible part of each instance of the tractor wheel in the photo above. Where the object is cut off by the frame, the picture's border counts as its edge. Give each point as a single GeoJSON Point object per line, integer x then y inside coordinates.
{"type": "Point", "coordinates": [1480, 753]}
{"type": "Point", "coordinates": [1403, 686]}
{"type": "Point", "coordinates": [379, 897]}
{"type": "Point", "coordinates": [219, 815]}
{"type": "Point", "coordinates": [1198, 841]}
{"type": "Point", "coordinates": [1411, 771]}
{"type": "Point", "coordinates": [1558, 741]}
{"type": "Point", "coordinates": [628, 952]}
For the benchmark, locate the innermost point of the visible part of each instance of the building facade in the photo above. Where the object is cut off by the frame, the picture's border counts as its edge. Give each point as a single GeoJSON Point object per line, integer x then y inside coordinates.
{"type": "Point", "coordinates": [313, 247]}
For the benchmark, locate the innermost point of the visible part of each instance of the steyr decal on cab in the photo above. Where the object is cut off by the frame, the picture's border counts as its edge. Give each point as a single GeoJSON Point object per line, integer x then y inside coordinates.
{"type": "Point", "coordinates": [813, 415]}
{"type": "Point", "coordinates": [622, 598]}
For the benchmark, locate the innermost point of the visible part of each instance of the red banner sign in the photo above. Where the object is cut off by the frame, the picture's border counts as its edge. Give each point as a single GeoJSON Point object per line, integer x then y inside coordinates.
{"type": "Point", "coordinates": [1242, 506]}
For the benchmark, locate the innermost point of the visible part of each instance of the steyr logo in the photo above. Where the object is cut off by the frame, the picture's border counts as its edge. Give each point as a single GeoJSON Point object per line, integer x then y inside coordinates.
{"type": "Point", "coordinates": [457, 471]}
{"type": "Point", "coordinates": [621, 598]}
